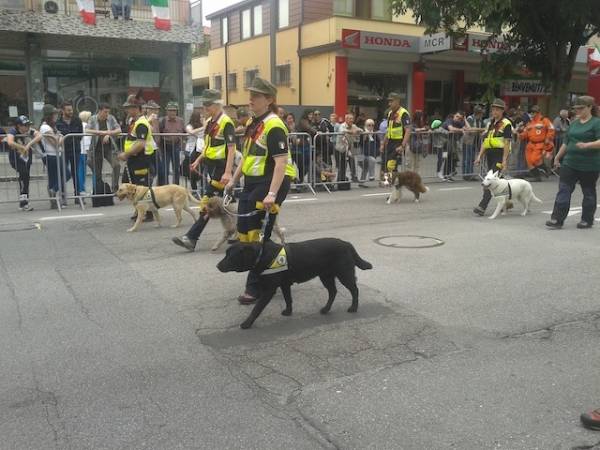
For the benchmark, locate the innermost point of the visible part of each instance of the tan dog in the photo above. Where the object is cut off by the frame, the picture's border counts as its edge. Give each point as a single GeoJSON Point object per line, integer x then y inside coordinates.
{"type": "Point", "coordinates": [143, 200]}
{"type": "Point", "coordinates": [227, 214]}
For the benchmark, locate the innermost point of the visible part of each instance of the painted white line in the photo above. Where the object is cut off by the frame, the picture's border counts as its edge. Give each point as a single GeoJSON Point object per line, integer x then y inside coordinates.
{"type": "Point", "coordinates": [464, 188]}
{"type": "Point", "coordinates": [375, 195]}
{"type": "Point", "coordinates": [76, 216]}
{"type": "Point", "coordinates": [313, 199]}
{"type": "Point", "coordinates": [171, 209]}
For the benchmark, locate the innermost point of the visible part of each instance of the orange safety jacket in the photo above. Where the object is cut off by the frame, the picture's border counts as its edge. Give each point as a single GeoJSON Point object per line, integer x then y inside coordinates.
{"type": "Point", "coordinates": [539, 130]}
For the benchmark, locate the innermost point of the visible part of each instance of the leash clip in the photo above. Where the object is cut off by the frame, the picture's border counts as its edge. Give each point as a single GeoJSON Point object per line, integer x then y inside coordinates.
{"type": "Point", "coordinates": [227, 199]}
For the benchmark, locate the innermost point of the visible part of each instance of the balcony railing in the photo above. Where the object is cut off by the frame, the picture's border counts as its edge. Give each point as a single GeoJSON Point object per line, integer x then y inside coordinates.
{"type": "Point", "coordinates": [140, 9]}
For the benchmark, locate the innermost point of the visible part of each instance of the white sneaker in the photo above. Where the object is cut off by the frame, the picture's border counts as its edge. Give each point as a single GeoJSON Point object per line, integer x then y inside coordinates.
{"type": "Point", "coordinates": [441, 176]}
{"type": "Point", "coordinates": [26, 207]}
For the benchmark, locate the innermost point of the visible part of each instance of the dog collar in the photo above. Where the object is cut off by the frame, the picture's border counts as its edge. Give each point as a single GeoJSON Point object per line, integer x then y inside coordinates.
{"type": "Point", "coordinates": [507, 192]}
{"type": "Point", "coordinates": [279, 264]}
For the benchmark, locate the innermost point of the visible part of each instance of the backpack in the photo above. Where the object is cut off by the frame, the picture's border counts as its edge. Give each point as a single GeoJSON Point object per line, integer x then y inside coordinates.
{"type": "Point", "coordinates": [99, 189]}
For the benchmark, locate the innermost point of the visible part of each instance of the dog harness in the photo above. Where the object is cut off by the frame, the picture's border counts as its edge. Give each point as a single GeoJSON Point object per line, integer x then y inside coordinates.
{"type": "Point", "coordinates": [507, 191]}
{"type": "Point", "coordinates": [279, 264]}
{"type": "Point", "coordinates": [148, 197]}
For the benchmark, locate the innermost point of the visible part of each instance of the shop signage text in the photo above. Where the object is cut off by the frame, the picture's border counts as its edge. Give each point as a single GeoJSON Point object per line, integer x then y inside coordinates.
{"type": "Point", "coordinates": [367, 40]}
{"type": "Point", "coordinates": [434, 43]}
{"type": "Point", "coordinates": [479, 42]}
{"type": "Point", "coordinates": [524, 88]}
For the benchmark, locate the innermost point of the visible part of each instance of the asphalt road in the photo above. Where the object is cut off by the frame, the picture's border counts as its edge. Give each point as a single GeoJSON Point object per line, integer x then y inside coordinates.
{"type": "Point", "coordinates": [115, 340]}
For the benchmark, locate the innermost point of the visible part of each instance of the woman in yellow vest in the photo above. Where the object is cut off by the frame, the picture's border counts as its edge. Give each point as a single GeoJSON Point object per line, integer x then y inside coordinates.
{"type": "Point", "coordinates": [217, 160]}
{"type": "Point", "coordinates": [495, 147]}
{"type": "Point", "coordinates": [397, 135]}
{"type": "Point", "coordinates": [267, 168]}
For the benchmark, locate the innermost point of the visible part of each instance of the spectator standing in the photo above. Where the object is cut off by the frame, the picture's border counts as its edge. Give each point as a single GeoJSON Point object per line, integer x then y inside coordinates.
{"type": "Point", "coordinates": [496, 147]}
{"type": "Point", "coordinates": [419, 127]}
{"type": "Point", "coordinates": [170, 125]}
{"type": "Point", "coordinates": [105, 131]}
{"type": "Point", "coordinates": [370, 142]}
{"type": "Point", "coordinates": [193, 148]}
{"type": "Point", "coordinates": [20, 140]}
{"type": "Point", "coordinates": [472, 142]}
{"type": "Point", "coordinates": [561, 126]}
{"type": "Point", "coordinates": [70, 124]}
{"type": "Point", "coordinates": [346, 148]}
{"type": "Point", "coordinates": [324, 144]}
{"type": "Point", "coordinates": [397, 134]}
{"type": "Point", "coordinates": [360, 120]}
{"type": "Point", "coordinates": [579, 161]}
{"type": "Point", "coordinates": [121, 8]}
{"type": "Point", "coordinates": [302, 156]}
{"type": "Point", "coordinates": [316, 118]}
{"type": "Point", "coordinates": [439, 144]}
{"type": "Point", "coordinates": [281, 112]}
{"type": "Point", "coordinates": [84, 116]}
{"type": "Point", "coordinates": [51, 140]}
{"type": "Point", "coordinates": [455, 127]}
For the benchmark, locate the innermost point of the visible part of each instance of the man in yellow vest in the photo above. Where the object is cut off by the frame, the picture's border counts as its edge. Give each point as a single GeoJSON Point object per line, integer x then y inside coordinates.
{"type": "Point", "coordinates": [217, 160]}
{"type": "Point", "coordinates": [138, 148]}
{"type": "Point", "coordinates": [496, 148]}
{"type": "Point", "coordinates": [397, 135]}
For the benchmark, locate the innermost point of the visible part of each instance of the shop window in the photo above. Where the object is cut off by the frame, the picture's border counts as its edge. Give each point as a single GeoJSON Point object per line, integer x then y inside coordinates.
{"type": "Point", "coordinates": [283, 75]}
{"type": "Point", "coordinates": [381, 9]}
{"type": "Point", "coordinates": [249, 76]}
{"type": "Point", "coordinates": [343, 7]}
{"type": "Point", "coordinates": [246, 24]}
{"type": "Point", "coordinates": [232, 81]}
{"type": "Point", "coordinates": [224, 31]}
{"type": "Point", "coordinates": [284, 13]}
{"type": "Point", "coordinates": [218, 82]}
{"type": "Point", "coordinates": [257, 25]}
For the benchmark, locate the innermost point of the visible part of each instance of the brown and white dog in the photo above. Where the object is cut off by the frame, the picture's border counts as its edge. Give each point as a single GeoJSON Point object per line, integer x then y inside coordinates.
{"type": "Point", "coordinates": [227, 214]}
{"type": "Point", "coordinates": [411, 181]}
{"type": "Point", "coordinates": [151, 199]}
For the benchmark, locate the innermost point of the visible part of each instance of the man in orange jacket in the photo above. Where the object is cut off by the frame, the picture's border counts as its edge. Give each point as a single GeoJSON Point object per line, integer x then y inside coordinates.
{"type": "Point", "coordinates": [539, 134]}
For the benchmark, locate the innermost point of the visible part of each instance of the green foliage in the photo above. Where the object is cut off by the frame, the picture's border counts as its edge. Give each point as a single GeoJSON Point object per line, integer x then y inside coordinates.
{"type": "Point", "coordinates": [544, 35]}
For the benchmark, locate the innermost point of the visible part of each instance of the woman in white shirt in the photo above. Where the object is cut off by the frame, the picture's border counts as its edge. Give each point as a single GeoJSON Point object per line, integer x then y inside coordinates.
{"type": "Point", "coordinates": [51, 140]}
{"type": "Point", "coordinates": [84, 116]}
{"type": "Point", "coordinates": [193, 147]}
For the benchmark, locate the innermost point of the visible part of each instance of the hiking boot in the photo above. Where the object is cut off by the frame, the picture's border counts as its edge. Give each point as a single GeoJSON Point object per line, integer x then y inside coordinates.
{"type": "Point", "coordinates": [591, 420]}
{"type": "Point", "coordinates": [479, 211]}
{"type": "Point", "coordinates": [583, 225]}
{"type": "Point", "coordinates": [149, 217]}
{"type": "Point", "coordinates": [555, 224]}
{"type": "Point", "coordinates": [185, 242]}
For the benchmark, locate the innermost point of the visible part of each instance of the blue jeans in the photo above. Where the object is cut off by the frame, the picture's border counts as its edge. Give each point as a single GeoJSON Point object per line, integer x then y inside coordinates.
{"type": "Point", "coordinates": [169, 156]}
{"type": "Point", "coordinates": [468, 159]}
{"type": "Point", "coordinates": [54, 166]}
{"type": "Point", "coordinates": [71, 167]}
{"type": "Point", "coordinates": [81, 169]}
{"type": "Point", "coordinates": [121, 8]}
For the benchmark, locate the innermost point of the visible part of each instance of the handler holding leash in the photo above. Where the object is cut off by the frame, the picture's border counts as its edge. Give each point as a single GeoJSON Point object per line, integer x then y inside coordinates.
{"type": "Point", "coordinates": [268, 170]}
{"type": "Point", "coordinates": [496, 147]}
{"type": "Point", "coordinates": [217, 159]}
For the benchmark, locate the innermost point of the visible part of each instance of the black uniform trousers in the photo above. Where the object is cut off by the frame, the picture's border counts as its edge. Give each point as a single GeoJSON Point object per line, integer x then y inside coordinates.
{"type": "Point", "coordinates": [493, 159]}
{"type": "Point", "coordinates": [566, 185]}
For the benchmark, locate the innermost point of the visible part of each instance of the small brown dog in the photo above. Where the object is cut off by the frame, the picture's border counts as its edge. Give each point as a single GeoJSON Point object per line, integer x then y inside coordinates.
{"type": "Point", "coordinates": [227, 214]}
{"type": "Point", "coordinates": [151, 199]}
{"type": "Point", "coordinates": [411, 181]}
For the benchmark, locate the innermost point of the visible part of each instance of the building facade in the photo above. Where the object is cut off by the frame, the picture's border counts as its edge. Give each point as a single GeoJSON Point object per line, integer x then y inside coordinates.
{"type": "Point", "coordinates": [349, 54]}
{"type": "Point", "coordinates": [48, 54]}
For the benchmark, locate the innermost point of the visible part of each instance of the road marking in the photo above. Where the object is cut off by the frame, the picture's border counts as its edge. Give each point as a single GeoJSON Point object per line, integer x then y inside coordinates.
{"type": "Point", "coordinates": [375, 195]}
{"type": "Point", "coordinates": [464, 188]}
{"type": "Point", "coordinates": [171, 209]}
{"type": "Point", "coordinates": [572, 212]}
{"type": "Point", "coordinates": [302, 200]}
{"type": "Point", "coordinates": [76, 216]}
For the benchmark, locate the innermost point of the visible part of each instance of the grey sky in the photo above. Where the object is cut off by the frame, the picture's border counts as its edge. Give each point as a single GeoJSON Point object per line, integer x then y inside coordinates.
{"type": "Point", "coordinates": [210, 6]}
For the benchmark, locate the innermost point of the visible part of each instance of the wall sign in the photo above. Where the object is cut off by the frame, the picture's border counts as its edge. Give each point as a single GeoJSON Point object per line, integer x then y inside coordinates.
{"type": "Point", "coordinates": [367, 40]}
{"type": "Point", "coordinates": [518, 88]}
{"type": "Point", "coordinates": [434, 43]}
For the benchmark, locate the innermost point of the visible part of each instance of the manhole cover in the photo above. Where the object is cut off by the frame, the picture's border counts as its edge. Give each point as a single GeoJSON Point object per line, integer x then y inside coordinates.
{"type": "Point", "coordinates": [409, 241]}
{"type": "Point", "coordinates": [5, 227]}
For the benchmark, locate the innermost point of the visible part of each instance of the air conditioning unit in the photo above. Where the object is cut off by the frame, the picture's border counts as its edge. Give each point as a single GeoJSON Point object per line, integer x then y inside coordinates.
{"type": "Point", "coordinates": [54, 6]}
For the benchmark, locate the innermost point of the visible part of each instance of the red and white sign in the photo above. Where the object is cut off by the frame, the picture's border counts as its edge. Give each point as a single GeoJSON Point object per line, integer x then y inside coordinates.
{"type": "Point", "coordinates": [367, 40]}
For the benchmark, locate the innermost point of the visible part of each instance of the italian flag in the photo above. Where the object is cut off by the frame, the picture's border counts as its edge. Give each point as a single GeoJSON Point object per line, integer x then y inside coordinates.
{"type": "Point", "coordinates": [160, 12]}
{"type": "Point", "coordinates": [594, 60]}
{"type": "Point", "coordinates": [87, 11]}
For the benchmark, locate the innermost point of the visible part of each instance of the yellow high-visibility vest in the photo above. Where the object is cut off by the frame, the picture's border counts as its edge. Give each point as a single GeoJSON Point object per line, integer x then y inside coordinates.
{"type": "Point", "coordinates": [216, 147]}
{"type": "Point", "coordinates": [256, 152]}
{"type": "Point", "coordinates": [395, 133]}
{"type": "Point", "coordinates": [495, 135]}
{"type": "Point", "coordinates": [131, 139]}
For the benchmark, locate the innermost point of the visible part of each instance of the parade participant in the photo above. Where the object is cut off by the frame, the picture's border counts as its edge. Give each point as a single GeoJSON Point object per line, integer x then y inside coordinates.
{"type": "Point", "coordinates": [397, 135]}
{"type": "Point", "coordinates": [267, 169]}
{"type": "Point", "coordinates": [20, 141]}
{"type": "Point", "coordinates": [539, 134]}
{"type": "Point", "coordinates": [217, 161]}
{"type": "Point", "coordinates": [579, 161]}
{"type": "Point", "coordinates": [138, 149]}
{"type": "Point", "coordinates": [495, 147]}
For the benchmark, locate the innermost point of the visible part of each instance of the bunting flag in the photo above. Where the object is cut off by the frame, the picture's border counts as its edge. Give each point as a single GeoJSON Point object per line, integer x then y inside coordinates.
{"type": "Point", "coordinates": [87, 11]}
{"type": "Point", "coordinates": [594, 60]}
{"type": "Point", "coordinates": [160, 12]}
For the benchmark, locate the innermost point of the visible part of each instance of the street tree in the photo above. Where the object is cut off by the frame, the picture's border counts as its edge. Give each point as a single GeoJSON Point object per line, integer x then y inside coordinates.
{"type": "Point", "coordinates": [543, 37]}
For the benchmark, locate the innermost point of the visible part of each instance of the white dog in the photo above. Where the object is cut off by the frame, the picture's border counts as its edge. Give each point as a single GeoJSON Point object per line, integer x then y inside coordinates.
{"type": "Point", "coordinates": [505, 190]}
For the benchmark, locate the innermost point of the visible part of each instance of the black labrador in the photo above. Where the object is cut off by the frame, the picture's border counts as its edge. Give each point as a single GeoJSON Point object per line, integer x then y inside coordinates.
{"type": "Point", "coordinates": [283, 265]}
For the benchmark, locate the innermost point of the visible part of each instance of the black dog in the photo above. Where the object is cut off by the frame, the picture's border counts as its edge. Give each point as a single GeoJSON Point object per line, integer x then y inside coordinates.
{"type": "Point", "coordinates": [282, 266]}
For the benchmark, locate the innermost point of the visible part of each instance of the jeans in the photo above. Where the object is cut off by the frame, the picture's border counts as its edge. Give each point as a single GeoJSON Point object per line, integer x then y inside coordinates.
{"type": "Point", "coordinates": [367, 165]}
{"type": "Point", "coordinates": [169, 156]}
{"type": "Point", "coordinates": [81, 172]}
{"type": "Point", "coordinates": [56, 174]}
{"type": "Point", "coordinates": [71, 164]}
{"type": "Point", "coordinates": [468, 159]}
{"type": "Point", "coordinates": [446, 163]}
{"type": "Point", "coordinates": [566, 185]}
{"type": "Point", "coordinates": [121, 8]}
{"type": "Point", "coordinates": [97, 158]}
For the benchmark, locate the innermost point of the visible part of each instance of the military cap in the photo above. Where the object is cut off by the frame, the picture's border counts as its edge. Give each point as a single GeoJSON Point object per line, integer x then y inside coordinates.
{"type": "Point", "coordinates": [263, 86]}
{"type": "Point", "coordinates": [48, 109]}
{"type": "Point", "coordinates": [535, 108]}
{"type": "Point", "coordinates": [152, 105]}
{"type": "Point", "coordinates": [394, 96]}
{"type": "Point", "coordinates": [172, 106]}
{"type": "Point", "coordinates": [498, 103]}
{"type": "Point", "coordinates": [584, 100]}
{"type": "Point", "coordinates": [211, 96]}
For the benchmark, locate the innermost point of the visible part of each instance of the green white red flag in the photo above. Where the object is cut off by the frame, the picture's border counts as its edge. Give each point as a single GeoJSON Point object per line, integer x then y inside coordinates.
{"type": "Point", "coordinates": [594, 60]}
{"type": "Point", "coordinates": [87, 11]}
{"type": "Point", "coordinates": [160, 12]}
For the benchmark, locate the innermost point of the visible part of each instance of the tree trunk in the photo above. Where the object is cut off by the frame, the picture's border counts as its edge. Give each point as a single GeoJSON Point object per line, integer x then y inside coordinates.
{"type": "Point", "coordinates": [560, 89]}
